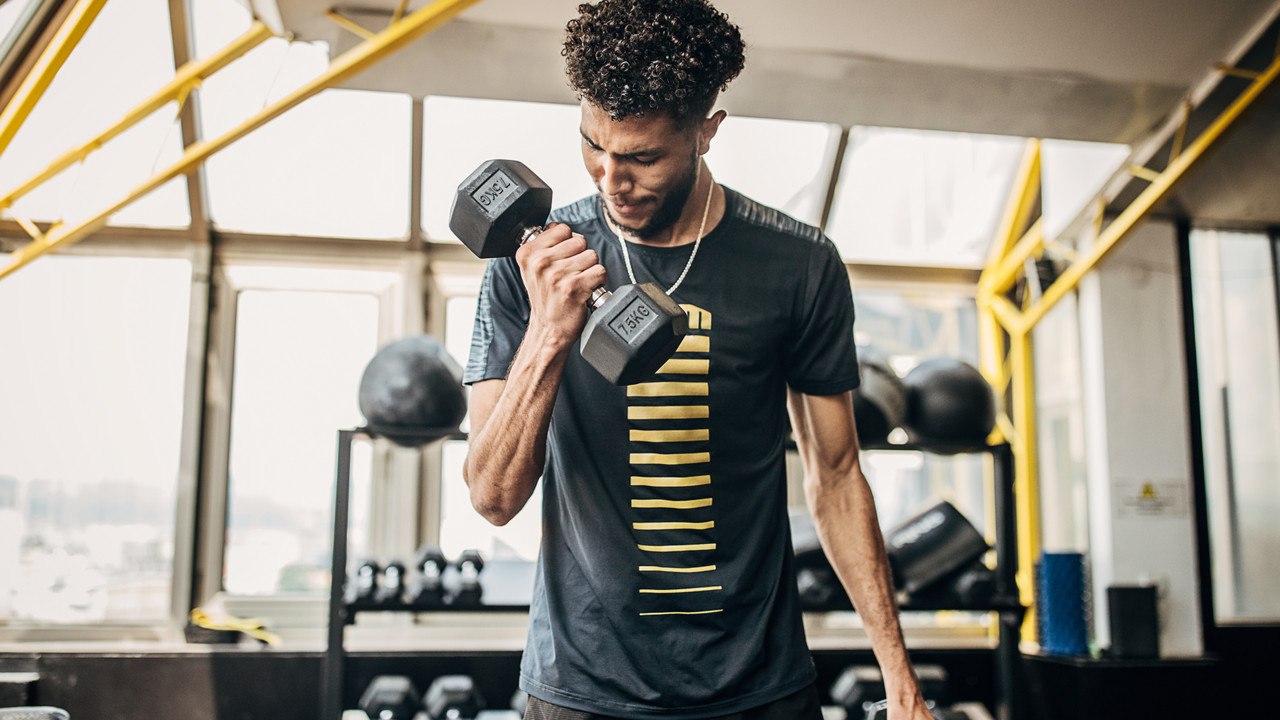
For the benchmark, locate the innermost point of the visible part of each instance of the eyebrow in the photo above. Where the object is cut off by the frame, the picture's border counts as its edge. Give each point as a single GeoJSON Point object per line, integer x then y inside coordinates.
{"type": "Point", "coordinates": [638, 153]}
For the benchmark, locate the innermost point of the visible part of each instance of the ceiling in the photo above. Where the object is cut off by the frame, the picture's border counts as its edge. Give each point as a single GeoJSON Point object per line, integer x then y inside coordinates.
{"type": "Point", "coordinates": [1103, 70]}
{"type": "Point", "coordinates": [1098, 70]}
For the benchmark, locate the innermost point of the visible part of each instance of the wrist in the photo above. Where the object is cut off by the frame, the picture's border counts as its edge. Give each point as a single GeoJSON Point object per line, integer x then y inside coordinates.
{"type": "Point", "coordinates": [549, 341]}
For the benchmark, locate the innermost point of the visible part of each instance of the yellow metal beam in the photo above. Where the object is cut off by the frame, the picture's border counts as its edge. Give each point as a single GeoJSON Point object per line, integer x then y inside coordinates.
{"type": "Point", "coordinates": [43, 72]}
{"type": "Point", "coordinates": [1022, 200]}
{"type": "Point", "coordinates": [1026, 483]}
{"type": "Point", "coordinates": [1005, 273]}
{"type": "Point", "coordinates": [349, 24]}
{"type": "Point", "coordinates": [177, 89]}
{"type": "Point", "coordinates": [1160, 188]}
{"type": "Point", "coordinates": [364, 55]}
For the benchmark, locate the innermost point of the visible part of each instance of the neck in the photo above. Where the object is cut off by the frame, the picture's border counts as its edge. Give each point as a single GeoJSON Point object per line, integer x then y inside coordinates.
{"type": "Point", "coordinates": [689, 227]}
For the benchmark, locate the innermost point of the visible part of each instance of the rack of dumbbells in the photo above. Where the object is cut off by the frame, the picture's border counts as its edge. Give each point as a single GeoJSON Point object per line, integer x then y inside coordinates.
{"type": "Point", "coordinates": [434, 585]}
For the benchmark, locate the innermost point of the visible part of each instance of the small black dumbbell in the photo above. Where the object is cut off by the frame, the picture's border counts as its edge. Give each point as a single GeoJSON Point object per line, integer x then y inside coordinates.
{"type": "Point", "coordinates": [469, 590]}
{"type": "Point", "coordinates": [391, 591]}
{"type": "Point", "coordinates": [453, 697]}
{"type": "Point", "coordinates": [429, 590]}
{"type": "Point", "coordinates": [390, 697]}
{"type": "Point", "coordinates": [631, 332]}
{"type": "Point", "coordinates": [365, 586]}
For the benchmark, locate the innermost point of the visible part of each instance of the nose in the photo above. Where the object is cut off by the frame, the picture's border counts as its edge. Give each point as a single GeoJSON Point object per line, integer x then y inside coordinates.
{"type": "Point", "coordinates": [615, 180]}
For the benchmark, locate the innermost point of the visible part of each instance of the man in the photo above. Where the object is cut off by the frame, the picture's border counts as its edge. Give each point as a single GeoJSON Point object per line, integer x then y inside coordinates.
{"type": "Point", "coordinates": [665, 585]}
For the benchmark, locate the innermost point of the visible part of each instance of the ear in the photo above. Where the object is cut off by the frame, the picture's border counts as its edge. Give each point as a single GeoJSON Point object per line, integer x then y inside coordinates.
{"type": "Point", "coordinates": [708, 130]}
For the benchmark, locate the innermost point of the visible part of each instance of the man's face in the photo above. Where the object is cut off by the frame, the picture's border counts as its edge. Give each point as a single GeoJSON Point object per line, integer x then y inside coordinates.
{"type": "Point", "coordinates": [644, 168]}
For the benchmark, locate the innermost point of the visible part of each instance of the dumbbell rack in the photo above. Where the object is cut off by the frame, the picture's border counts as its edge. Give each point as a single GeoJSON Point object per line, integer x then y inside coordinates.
{"type": "Point", "coordinates": [1005, 604]}
{"type": "Point", "coordinates": [333, 667]}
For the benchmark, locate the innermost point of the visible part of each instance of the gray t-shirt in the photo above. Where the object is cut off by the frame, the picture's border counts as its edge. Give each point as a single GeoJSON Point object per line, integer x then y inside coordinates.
{"type": "Point", "coordinates": [664, 585]}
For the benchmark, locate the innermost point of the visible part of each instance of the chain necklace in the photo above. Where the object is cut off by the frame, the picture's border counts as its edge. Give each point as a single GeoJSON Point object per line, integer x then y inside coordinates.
{"type": "Point", "coordinates": [698, 241]}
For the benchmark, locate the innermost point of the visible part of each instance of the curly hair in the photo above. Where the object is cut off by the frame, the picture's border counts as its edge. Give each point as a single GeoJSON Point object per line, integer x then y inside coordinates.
{"type": "Point", "coordinates": [633, 57]}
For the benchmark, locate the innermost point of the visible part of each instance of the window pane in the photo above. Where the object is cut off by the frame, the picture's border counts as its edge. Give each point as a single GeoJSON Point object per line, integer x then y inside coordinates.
{"type": "Point", "coordinates": [1238, 353]}
{"type": "Point", "coordinates": [337, 165]}
{"type": "Point", "coordinates": [461, 527]}
{"type": "Point", "coordinates": [921, 198]}
{"type": "Point", "coordinates": [461, 133]}
{"type": "Point", "coordinates": [90, 427]}
{"type": "Point", "coordinates": [908, 329]}
{"type": "Point", "coordinates": [126, 55]}
{"type": "Point", "coordinates": [298, 361]}
{"type": "Point", "coordinates": [782, 163]}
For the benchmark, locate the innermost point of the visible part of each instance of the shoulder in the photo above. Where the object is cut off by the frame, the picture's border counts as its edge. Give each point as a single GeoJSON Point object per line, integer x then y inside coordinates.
{"type": "Point", "coordinates": [765, 218]}
{"type": "Point", "coordinates": [578, 213]}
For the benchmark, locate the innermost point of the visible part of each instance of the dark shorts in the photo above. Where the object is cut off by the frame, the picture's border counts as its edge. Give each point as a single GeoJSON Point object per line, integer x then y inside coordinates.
{"type": "Point", "coordinates": [803, 705]}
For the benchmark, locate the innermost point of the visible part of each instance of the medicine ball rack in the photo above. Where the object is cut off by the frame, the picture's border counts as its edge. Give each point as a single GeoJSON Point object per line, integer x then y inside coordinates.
{"type": "Point", "coordinates": [1005, 604]}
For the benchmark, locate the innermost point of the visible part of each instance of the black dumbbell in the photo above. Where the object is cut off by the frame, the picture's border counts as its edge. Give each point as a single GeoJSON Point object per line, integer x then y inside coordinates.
{"type": "Point", "coordinates": [390, 697]}
{"type": "Point", "coordinates": [391, 590]}
{"type": "Point", "coordinates": [365, 586]}
{"type": "Point", "coordinates": [631, 332]}
{"type": "Point", "coordinates": [429, 589]}
{"type": "Point", "coordinates": [453, 697]}
{"type": "Point", "coordinates": [469, 590]}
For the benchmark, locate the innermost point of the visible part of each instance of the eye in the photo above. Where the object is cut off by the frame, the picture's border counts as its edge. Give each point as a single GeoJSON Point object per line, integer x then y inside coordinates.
{"type": "Point", "coordinates": [646, 162]}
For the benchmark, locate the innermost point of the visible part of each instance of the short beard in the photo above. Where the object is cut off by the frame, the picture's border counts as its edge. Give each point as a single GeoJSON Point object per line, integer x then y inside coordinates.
{"type": "Point", "coordinates": [668, 212]}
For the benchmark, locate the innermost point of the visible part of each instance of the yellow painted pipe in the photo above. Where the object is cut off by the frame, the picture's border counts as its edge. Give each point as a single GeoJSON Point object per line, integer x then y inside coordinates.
{"type": "Point", "coordinates": [176, 89]}
{"type": "Point", "coordinates": [1026, 483]}
{"type": "Point", "coordinates": [1159, 189]}
{"type": "Point", "coordinates": [43, 72]}
{"type": "Point", "coordinates": [362, 56]}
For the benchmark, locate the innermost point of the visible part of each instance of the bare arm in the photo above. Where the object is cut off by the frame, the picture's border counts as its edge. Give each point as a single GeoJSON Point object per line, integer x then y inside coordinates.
{"type": "Point", "coordinates": [510, 418]}
{"type": "Point", "coordinates": [844, 514]}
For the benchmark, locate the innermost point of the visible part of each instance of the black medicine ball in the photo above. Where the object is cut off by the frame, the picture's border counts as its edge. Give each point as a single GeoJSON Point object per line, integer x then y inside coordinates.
{"type": "Point", "coordinates": [413, 383]}
{"type": "Point", "coordinates": [949, 403]}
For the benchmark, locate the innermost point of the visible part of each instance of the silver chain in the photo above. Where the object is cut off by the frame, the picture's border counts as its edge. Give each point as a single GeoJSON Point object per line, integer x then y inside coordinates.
{"type": "Point", "coordinates": [705, 210]}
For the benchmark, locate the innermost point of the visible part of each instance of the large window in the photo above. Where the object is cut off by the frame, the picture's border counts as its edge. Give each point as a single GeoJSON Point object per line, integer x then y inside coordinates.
{"type": "Point", "coordinates": [129, 43]}
{"type": "Point", "coordinates": [302, 340]}
{"type": "Point", "coordinates": [1238, 355]}
{"type": "Point", "coordinates": [91, 378]}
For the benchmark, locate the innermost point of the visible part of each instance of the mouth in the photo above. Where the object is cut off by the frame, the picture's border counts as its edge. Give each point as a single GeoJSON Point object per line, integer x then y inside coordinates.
{"type": "Point", "coordinates": [626, 210]}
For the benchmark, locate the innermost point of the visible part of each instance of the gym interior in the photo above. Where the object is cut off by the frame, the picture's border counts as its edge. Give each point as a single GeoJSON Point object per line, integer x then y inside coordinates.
{"type": "Point", "coordinates": [1056, 219]}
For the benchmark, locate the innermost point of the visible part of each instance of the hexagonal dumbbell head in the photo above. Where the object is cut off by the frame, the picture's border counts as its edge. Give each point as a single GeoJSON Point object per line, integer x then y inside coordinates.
{"type": "Point", "coordinates": [494, 206]}
{"type": "Point", "coordinates": [633, 333]}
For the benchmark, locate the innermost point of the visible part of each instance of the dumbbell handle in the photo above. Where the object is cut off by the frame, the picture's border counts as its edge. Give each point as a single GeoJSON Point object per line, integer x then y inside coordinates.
{"type": "Point", "coordinates": [599, 296]}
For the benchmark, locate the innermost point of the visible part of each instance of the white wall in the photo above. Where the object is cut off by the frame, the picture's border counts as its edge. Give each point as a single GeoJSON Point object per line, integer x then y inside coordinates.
{"type": "Point", "coordinates": [1135, 400]}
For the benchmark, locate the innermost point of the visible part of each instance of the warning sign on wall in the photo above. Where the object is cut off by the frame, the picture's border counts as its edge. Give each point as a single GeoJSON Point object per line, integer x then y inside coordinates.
{"type": "Point", "coordinates": [1150, 498]}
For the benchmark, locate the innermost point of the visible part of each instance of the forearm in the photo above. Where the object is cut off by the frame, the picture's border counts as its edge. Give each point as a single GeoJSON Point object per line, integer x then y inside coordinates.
{"type": "Point", "coordinates": [844, 514]}
{"type": "Point", "coordinates": [509, 450]}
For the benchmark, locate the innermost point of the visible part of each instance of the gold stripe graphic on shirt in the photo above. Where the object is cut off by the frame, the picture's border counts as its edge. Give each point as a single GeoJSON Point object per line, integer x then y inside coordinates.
{"type": "Point", "coordinates": [674, 525]}
{"type": "Point", "coordinates": [709, 588]}
{"type": "Point", "coordinates": [667, 412]}
{"type": "Point", "coordinates": [677, 548]}
{"type": "Point", "coordinates": [695, 343]}
{"type": "Point", "coordinates": [673, 504]}
{"type": "Point", "coordinates": [695, 612]}
{"type": "Point", "coordinates": [670, 435]}
{"type": "Point", "coordinates": [699, 319]}
{"type": "Point", "coordinates": [671, 481]}
{"type": "Point", "coordinates": [684, 367]}
{"type": "Point", "coordinates": [670, 458]}
{"type": "Point", "coordinates": [659, 568]}
{"type": "Point", "coordinates": [666, 389]}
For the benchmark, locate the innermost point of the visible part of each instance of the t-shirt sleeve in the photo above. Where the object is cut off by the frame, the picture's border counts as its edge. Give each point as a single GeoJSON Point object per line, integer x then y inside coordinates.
{"type": "Point", "coordinates": [820, 356]}
{"type": "Point", "coordinates": [502, 316]}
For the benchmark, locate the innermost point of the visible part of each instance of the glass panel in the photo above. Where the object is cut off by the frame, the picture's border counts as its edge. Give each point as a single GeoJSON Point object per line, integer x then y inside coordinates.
{"type": "Point", "coordinates": [1238, 354]}
{"type": "Point", "coordinates": [909, 329]}
{"type": "Point", "coordinates": [90, 432]}
{"type": "Point", "coordinates": [921, 198]}
{"type": "Point", "coordinates": [298, 361]}
{"type": "Point", "coordinates": [337, 165]}
{"type": "Point", "coordinates": [1071, 174]}
{"type": "Point", "coordinates": [1064, 509]}
{"type": "Point", "coordinates": [461, 133]}
{"type": "Point", "coordinates": [126, 55]}
{"type": "Point", "coordinates": [461, 527]}
{"type": "Point", "coordinates": [782, 163]}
